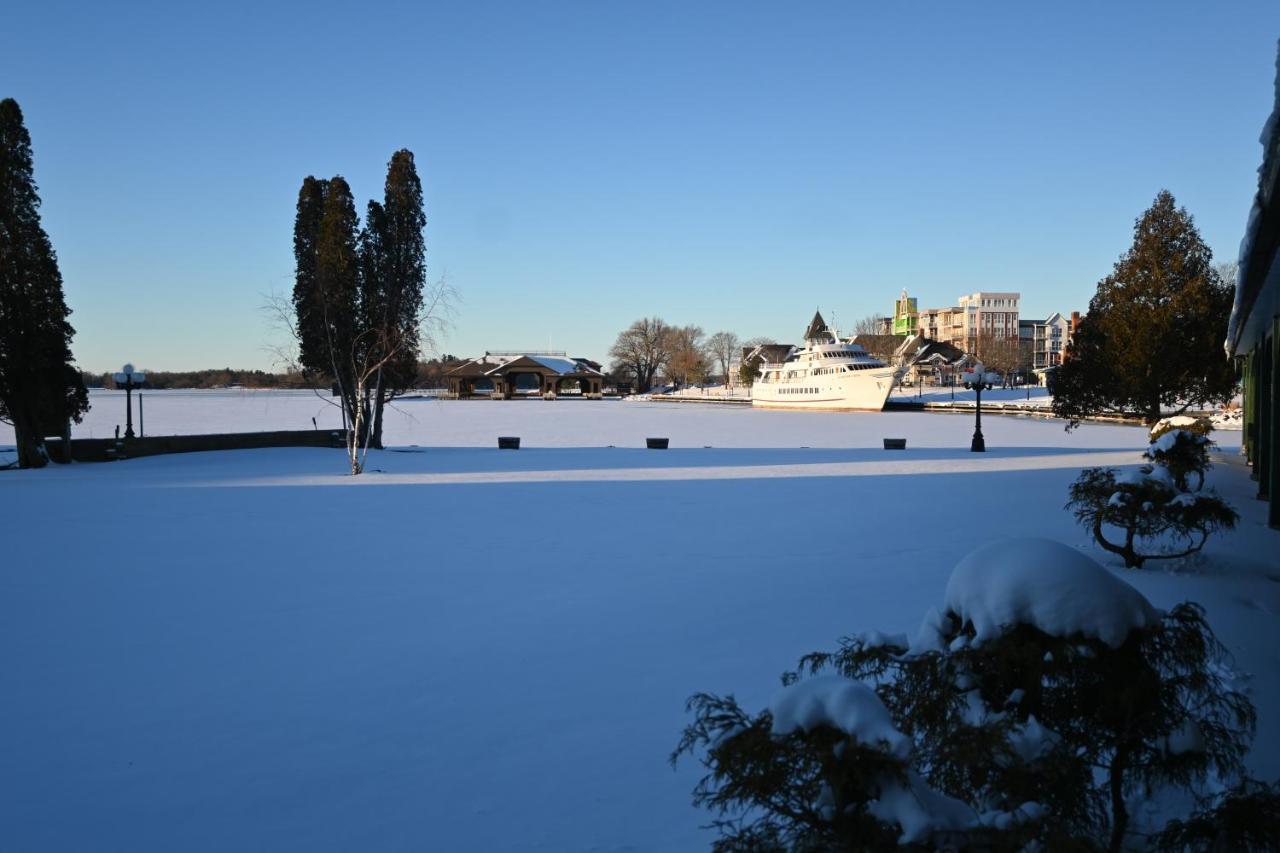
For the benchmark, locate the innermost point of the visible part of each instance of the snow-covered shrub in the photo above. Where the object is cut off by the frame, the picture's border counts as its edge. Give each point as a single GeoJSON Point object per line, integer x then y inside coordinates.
{"type": "Point", "coordinates": [1147, 504]}
{"type": "Point", "coordinates": [1198, 426]}
{"type": "Point", "coordinates": [823, 768]}
{"type": "Point", "coordinates": [1182, 453]}
{"type": "Point", "coordinates": [1042, 697]}
{"type": "Point", "coordinates": [800, 775]}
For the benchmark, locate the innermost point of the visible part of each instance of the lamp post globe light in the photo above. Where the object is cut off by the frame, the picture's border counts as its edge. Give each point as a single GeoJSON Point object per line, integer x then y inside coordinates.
{"type": "Point", "coordinates": [128, 379]}
{"type": "Point", "coordinates": [978, 380]}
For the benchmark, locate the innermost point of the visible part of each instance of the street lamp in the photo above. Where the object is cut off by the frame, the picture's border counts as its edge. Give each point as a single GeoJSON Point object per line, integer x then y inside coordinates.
{"type": "Point", "coordinates": [128, 379]}
{"type": "Point", "coordinates": [978, 380]}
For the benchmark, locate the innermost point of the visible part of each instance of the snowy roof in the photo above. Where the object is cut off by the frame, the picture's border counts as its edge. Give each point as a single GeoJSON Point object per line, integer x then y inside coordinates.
{"type": "Point", "coordinates": [1258, 276]}
{"type": "Point", "coordinates": [497, 363]}
{"type": "Point", "coordinates": [480, 366]}
{"type": "Point", "coordinates": [930, 350]}
{"type": "Point", "coordinates": [1048, 585]}
{"type": "Point", "coordinates": [770, 353]}
{"type": "Point", "coordinates": [562, 365]}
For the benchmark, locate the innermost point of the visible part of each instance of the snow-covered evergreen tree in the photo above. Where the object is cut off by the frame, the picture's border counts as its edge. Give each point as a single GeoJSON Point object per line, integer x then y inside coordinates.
{"type": "Point", "coordinates": [1033, 707]}
{"type": "Point", "coordinates": [1160, 516]}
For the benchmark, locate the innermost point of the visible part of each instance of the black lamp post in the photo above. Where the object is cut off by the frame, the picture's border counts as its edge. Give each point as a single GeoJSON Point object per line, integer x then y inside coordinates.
{"type": "Point", "coordinates": [978, 381]}
{"type": "Point", "coordinates": [128, 379]}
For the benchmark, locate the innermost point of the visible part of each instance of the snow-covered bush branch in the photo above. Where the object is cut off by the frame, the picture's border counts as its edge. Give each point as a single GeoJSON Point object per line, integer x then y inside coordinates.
{"type": "Point", "coordinates": [1153, 502]}
{"type": "Point", "coordinates": [1033, 707]}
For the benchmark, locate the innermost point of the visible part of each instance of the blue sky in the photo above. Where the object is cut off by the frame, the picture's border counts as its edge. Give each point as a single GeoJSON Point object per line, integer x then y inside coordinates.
{"type": "Point", "coordinates": [731, 165]}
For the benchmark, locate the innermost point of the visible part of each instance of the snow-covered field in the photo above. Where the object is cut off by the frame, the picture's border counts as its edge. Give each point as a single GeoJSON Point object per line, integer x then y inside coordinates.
{"type": "Point", "coordinates": [474, 649]}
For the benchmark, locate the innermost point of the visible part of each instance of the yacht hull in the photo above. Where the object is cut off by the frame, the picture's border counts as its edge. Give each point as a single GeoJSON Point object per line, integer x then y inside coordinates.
{"type": "Point", "coordinates": [857, 391]}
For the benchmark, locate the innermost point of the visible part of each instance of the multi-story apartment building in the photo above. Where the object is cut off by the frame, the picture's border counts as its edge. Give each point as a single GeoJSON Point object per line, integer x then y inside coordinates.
{"type": "Point", "coordinates": [942, 324]}
{"type": "Point", "coordinates": [1047, 339]}
{"type": "Point", "coordinates": [994, 313]}
{"type": "Point", "coordinates": [988, 313]}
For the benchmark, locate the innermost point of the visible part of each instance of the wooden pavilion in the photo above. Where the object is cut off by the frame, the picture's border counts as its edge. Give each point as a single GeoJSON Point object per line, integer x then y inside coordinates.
{"type": "Point", "coordinates": [501, 375]}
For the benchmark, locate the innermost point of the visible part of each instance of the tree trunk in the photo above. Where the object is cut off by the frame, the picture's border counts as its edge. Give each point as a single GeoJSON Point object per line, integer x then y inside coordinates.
{"type": "Point", "coordinates": [30, 445]}
{"type": "Point", "coordinates": [1131, 558]}
{"type": "Point", "coordinates": [1119, 814]}
{"type": "Point", "coordinates": [376, 438]}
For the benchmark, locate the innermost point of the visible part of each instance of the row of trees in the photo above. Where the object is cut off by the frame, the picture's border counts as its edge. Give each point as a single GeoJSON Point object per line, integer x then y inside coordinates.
{"type": "Point", "coordinates": [40, 390]}
{"type": "Point", "coordinates": [427, 374]}
{"type": "Point", "coordinates": [209, 378]}
{"type": "Point", "coordinates": [361, 312]}
{"type": "Point", "coordinates": [685, 355]}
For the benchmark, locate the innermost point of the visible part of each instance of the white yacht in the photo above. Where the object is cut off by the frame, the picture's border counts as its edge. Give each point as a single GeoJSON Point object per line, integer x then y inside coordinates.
{"type": "Point", "coordinates": [825, 374]}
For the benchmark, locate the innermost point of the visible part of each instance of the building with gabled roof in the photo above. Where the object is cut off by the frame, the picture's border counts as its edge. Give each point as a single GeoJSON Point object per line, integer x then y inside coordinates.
{"type": "Point", "coordinates": [929, 359]}
{"type": "Point", "coordinates": [1253, 335]}
{"type": "Point", "coordinates": [499, 374]}
{"type": "Point", "coordinates": [819, 330]}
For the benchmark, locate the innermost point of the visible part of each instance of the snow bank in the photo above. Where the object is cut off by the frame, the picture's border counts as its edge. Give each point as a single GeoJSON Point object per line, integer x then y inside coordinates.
{"type": "Point", "coordinates": [1227, 419]}
{"type": "Point", "coordinates": [842, 704]}
{"type": "Point", "coordinates": [1046, 584]}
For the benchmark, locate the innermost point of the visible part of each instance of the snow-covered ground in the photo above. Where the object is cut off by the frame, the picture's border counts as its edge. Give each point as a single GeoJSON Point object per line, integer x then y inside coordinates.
{"type": "Point", "coordinates": [474, 649]}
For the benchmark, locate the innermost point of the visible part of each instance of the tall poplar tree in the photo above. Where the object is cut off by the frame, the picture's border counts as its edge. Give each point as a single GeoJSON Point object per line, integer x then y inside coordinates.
{"type": "Point", "coordinates": [1152, 340]}
{"type": "Point", "coordinates": [337, 294]}
{"type": "Point", "coordinates": [395, 277]}
{"type": "Point", "coordinates": [313, 352]}
{"type": "Point", "coordinates": [40, 389]}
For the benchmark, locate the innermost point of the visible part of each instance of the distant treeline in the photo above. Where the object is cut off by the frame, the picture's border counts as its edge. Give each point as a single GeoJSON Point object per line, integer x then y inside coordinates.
{"type": "Point", "coordinates": [430, 375]}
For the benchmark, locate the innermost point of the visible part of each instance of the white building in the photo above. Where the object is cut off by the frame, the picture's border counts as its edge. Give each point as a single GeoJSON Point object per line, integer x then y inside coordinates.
{"type": "Point", "coordinates": [1047, 339]}
{"type": "Point", "coordinates": [988, 313]}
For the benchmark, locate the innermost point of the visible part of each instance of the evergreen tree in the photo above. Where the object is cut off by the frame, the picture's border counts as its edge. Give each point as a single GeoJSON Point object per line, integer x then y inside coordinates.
{"type": "Point", "coordinates": [337, 291]}
{"type": "Point", "coordinates": [358, 294]}
{"type": "Point", "coordinates": [373, 265]}
{"type": "Point", "coordinates": [394, 296]}
{"type": "Point", "coordinates": [1045, 733]}
{"type": "Point", "coordinates": [40, 390]}
{"type": "Point", "coordinates": [313, 353]}
{"type": "Point", "coordinates": [1152, 338]}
